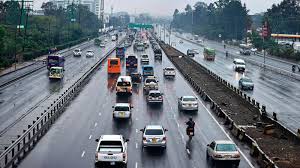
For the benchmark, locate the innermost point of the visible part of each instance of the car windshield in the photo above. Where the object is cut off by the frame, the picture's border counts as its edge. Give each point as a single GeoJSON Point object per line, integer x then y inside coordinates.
{"type": "Point", "coordinates": [110, 146]}
{"type": "Point", "coordinates": [123, 84]}
{"type": "Point", "coordinates": [90, 52]}
{"type": "Point", "coordinates": [226, 147]}
{"type": "Point", "coordinates": [247, 80]}
{"type": "Point", "coordinates": [121, 108]}
{"type": "Point", "coordinates": [150, 80]}
{"type": "Point", "coordinates": [148, 68]}
{"type": "Point", "coordinates": [77, 50]}
{"type": "Point", "coordinates": [170, 69]}
{"type": "Point", "coordinates": [154, 94]}
{"type": "Point", "coordinates": [189, 99]}
{"type": "Point", "coordinates": [154, 132]}
{"type": "Point", "coordinates": [144, 56]}
{"type": "Point", "coordinates": [239, 63]}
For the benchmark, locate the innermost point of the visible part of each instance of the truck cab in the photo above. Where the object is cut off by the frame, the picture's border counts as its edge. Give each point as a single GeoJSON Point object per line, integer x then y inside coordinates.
{"type": "Point", "coordinates": [56, 73]}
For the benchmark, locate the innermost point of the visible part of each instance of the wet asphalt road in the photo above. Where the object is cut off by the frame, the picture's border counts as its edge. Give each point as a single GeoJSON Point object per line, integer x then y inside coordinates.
{"type": "Point", "coordinates": [71, 140]}
{"type": "Point", "coordinates": [24, 95]}
{"type": "Point", "coordinates": [279, 93]}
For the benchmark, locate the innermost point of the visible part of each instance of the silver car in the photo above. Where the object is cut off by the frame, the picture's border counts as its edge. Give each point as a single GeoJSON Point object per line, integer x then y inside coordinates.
{"type": "Point", "coordinates": [154, 136]}
{"type": "Point", "coordinates": [122, 110]}
{"type": "Point", "coordinates": [223, 151]}
{"type": "Point", "coordinates": [155, 96]}
{"type": "Point", "coordinates": [246, 83]}
{"type": "Point", "coordinates": [187, 103]}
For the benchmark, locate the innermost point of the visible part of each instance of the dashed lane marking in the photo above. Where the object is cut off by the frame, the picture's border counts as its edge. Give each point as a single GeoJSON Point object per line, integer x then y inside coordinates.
{"type": "Point", "coordinates": [136, 145]}
{"type": "Point", "coordinates": [83, 152]}
{"type": "Point", "coordinates": [95, 124]}
{"type": "Point", "coordinates": [136, 164]}
{"type": "Point", "coordinates": [90, 137]}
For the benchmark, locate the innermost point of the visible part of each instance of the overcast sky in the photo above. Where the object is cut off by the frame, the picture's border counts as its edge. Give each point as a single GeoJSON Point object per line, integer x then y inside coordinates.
{"type": "Point", "coordinates": [167, 7]}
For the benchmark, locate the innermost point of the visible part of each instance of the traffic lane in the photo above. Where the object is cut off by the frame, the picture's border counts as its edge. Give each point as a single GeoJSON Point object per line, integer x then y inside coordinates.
{"type": "Point", "coordinates": [22, 97]}
{"type": "Point", "coordinates": [279, 93]}
{"type": "Point", "coordinates": [235, 50]}
{"type": "Point", "coordinates": [68, 144]}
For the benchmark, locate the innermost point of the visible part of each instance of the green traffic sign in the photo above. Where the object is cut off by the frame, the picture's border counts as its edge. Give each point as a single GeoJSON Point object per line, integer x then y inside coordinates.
{"type": "Point", "coordinates": [140, 25]}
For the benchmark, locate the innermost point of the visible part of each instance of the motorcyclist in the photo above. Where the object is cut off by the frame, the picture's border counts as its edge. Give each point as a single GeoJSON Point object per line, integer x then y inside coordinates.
{"type": "Point", "coordinates": [226, 53]}
{"type": "Point", "coordinates": [294, 68]}
{"type": "Point", "coordinates": [224, 46]}
{"type": "Point", "coordinates": [190, 125]}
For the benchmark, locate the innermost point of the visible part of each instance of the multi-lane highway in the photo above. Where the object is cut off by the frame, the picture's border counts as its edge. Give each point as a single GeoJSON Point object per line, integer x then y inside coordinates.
{"type": "Point", "coordinates": [71, 140]}
{"type": "Point", "coordinates": [23, 96]}
{"type": "Point", "coordinates": [278, 92]}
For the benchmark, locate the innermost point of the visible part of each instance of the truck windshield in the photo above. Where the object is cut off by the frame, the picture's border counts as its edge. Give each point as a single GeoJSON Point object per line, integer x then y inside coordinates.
{"type": "Point", "coordinates": [148, 68]}
{"type": "Point", "coordinates": [110, 146]}
{"type": "Point", "coordinates": [113, 62]}
{"type": "Point", "coordinates": [52, 60]}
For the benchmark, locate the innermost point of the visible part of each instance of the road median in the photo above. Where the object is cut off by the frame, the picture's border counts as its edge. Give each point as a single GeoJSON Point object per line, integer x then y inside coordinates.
{"type": "Point", "coordinates": [272, 144]}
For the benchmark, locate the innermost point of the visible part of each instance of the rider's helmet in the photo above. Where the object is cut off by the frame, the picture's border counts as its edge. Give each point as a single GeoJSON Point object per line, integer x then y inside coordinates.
{"type": "Point", "coordinates": [191, 119]}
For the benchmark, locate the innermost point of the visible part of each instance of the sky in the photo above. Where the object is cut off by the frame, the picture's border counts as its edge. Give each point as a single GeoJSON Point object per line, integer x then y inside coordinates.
{"type": "Point", "coordinates": [167, 7]}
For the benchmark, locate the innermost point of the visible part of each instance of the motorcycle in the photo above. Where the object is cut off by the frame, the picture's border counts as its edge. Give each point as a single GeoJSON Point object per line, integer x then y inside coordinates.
{"type": "Point", "coordinates": [190, 132]}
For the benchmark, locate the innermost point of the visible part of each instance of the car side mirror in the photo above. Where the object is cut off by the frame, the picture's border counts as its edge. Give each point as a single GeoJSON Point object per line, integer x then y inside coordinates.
{"type": "Point", "coordinates": [127, 140]}
{"type": "Point", "coordinates": [97, 140]}
{"type": "Point", "coordinates": [166, 130]}
{"type": "Point", "coordinates": [208, 145]}
{"type": "Point", "coordinates": [142, 130]}
{"type": "Point", "coordinates": [131, 106]}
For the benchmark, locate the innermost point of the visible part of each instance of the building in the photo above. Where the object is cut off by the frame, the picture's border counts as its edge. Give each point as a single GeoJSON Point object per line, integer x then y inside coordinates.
{"type": "Point", "coordinates": [93, 5]}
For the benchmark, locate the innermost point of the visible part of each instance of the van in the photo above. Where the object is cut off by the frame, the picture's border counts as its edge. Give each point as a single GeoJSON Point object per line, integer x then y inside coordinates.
{"type": "Point", "coordinates": [124, 85]}
{"type": "Point", "coordinates": [148, 70]}
{"type": "Point", "coordinates": [113, 66]}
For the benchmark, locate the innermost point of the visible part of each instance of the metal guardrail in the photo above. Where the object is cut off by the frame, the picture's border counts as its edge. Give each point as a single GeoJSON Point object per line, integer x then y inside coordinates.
{"type": "Point", "coordinates": [85, 44]}
{"type": "Point", "coordinates": [269, 67]}
{"type": "Point", "coordinates": [237, 131]}
{"type": "Point", "coordinates": [25, 142]}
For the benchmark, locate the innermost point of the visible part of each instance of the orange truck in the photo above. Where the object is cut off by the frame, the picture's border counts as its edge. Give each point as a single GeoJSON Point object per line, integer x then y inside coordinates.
{"type": "Point", "coordinates": [114, 66]}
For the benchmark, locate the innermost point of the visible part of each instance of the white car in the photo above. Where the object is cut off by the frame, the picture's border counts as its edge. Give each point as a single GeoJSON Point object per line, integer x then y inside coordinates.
{"type": "Point", "coordinates": [223, 151]}
{"type": "Point", "coordinates": [145, 59]}
{"type": "Point", "coordinates": [189, 103]}
{"type": "Point", "coordinates": [122, 110]}
{"type": "Point", "coordinates": [77, 52]}
{"type": "Point", "coordinates": [239, 65]}
{"type": "Point", "coordinates": [155, 96]}
{"type": "Point", "coordinates": [89, 53]}
{"type": "Point", "coordinates": [150, 84]}
{"type": "Point", "coordinates": [169, 72]}
{"type": "Point", "coordinates": [111, 150]}
{"type": "Point", "coordinates": [102, 45]}
{"type": "Point", "coordinates": [154, 136]}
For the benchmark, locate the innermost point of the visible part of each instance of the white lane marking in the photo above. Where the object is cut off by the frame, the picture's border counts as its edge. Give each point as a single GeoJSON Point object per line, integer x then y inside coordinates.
{"type": "Point", "coordinates": [95, 124]}
{"type": "Point", "coordinates": [99, 114]}
{"type": "Point", "coordinates": [90, 137]}
{"type": "Point", "coordinates": [83, 152]}
{"type": "Point", "coordinates": [136, 164]}
{"type": "Point", "coordinates": [136, 130]}
{"type": "Point", "coordinates": [247, 160]}
{"type": "Point", "coordinates": [136, 145]}
{"type": "Point", "coordinates": [136, 119]}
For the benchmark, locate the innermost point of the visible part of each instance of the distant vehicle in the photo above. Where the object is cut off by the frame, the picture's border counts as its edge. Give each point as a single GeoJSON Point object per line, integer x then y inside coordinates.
{"type": "Point", "coordinates": [144, 59]}
{"type": "Point", "coordinates": [89, 53]}
{"type": "Point", "coordinates": [148, 70]}
{"type": "Point", "coordinates": [157, 53]}
{"type": "Point", "coordinates": [97, 42]}
{"type": "Point", "coordinates": [196, 37]}
{"type": "Point", "coordinates": [102, 45]}
{"type": "Point", "coordinates": [169, 72]}
{"type": "Point", "coordinates": [122, 110]}
{"type": "Point", "coordinates": [114, 66]}
{"type": "Point", "coordinates": [190, 53]}
{"type": "Point", "coordinates": [223, 151]}
{"type": "Point", "coordinates": [150, 84]}
{"type": "Point", "coordinates": [131, 62]}
{"type": "Point", "coordinates": [246, 83]}
{"type": "Point", "coordinates": [56, 73]}
{"type": "Point", "coordinates": [154, 136]}
{"type": "Point", "coordinates": [105, 40]}
{"type": "Point", "coordinates": [77, 52]}
{"type": "Point", "coordinates": [55, 61]}
{"type": "Point", "coordinates": [120, 52]}
{"type": "Point", "coordinates": [113, 38]}
{"type": "Point", "coordinates": [124, 85]}
{"type": "Point", "coordinates": [188, 103]}
{"type": "Point", "coordinates": [140, 46]}
{"type": "Point", "coordinates": [245, 51]}
{"type": "Point", "coordinates": [239, 65]}
{"type": "Point", "coordinates": [209, 54]}
{"type": "Point", "coordinates": [136, 77]}
{"type": "Point", "coordinates": [155, 96]}
{"type": "Point", "coordinates": [111, 150]}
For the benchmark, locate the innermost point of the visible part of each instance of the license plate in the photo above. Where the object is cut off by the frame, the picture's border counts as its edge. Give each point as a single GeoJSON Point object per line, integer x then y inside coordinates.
{"type": "Point", "coordinates": [112, 163]}
{"type": "Point", "coordinates": [121, 113]}
{"type": "Point", "coordinates": [154, 140]}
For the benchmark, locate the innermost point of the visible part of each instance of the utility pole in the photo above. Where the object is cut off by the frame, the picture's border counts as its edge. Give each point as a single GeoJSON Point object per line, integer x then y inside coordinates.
{"type": "Point", "coordinates": [164, 33]}
{"type": "Point", "coordinates": [102, 12]}
{"type": "Point", "coordinates": [170, 32]}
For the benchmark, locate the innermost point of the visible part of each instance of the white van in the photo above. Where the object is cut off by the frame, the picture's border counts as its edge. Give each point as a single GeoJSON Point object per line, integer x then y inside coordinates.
{"type": "Point", "coordinates": [124, 85]}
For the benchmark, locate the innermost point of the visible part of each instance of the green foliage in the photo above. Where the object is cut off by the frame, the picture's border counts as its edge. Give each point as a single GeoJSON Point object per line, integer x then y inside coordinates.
{"type": "Point", "coordinates": [43, 32]}
{"type": "Point", "coordinates": [226, 17]}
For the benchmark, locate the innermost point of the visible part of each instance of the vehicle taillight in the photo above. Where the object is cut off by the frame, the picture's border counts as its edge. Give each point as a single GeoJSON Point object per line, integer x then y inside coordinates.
{"type": "Point", "coordinates": [236, 156]}
{"type": "Point", "coordinates": [124, 156]}
{"type": "Point", "coordinates": [96, 156]}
